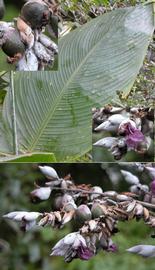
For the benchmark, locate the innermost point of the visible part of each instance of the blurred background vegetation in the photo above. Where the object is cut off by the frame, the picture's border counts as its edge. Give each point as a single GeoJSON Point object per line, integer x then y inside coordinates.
{"type": "Point", "coordinates": [30, 251]}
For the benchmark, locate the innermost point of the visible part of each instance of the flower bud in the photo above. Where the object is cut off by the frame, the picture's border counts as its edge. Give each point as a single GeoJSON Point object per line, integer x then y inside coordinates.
{"type": "Point", "coordinates": [82, 214]}
{"type": "Point", "coordinates": [143, 250]}
{"type": "Point", "coordinates": [98, 210]}
{"type": "Point", "coordinates": [139, 211]}
{"type": "Point", "coordinates": [121, 197]}
{"type": "Point", "coordinates": [49, 172]}
{"type": "Point", "coordinates": [69, 207]}
{"type": "Point", "coordinates": [58, 202]}
{"type": "Point", "coordinates": [130, 178]}
{"type": "Point", "coordinates": [66, 198]}
{"type": "Point", "coordinates": [27, 219]}
{"type": "Point", "coordinates": [42, 193]}
{"type": "Point", "coordinates": [97, 191]}
{"type": "Point", "coordinates": [111, 124]}
{"type": "Point", "coordinates": [151, 171]}
{"type": "Point", "coordinates": [106, 142]}
{"type": "Point", "coordinates": [35, 13]}
{"type": "Point", "coordinates": [17, 215]}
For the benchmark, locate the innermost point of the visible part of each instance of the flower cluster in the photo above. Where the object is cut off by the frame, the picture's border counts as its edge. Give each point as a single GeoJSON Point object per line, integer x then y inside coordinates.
{"type": "Point", "coordinates": [129, 129]}
{"type": "Point", "coordinates": [95, 213]}
{"type": "Point", "coordinates": [24, 41]}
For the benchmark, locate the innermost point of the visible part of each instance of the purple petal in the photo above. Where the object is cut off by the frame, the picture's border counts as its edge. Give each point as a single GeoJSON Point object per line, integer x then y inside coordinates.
{"type": "Point", "coordinates": [84, 253]}
{"type": "Point", "coordinates": [129, 129]}
{"type": "Point", "coordinates": [134, 138]}
{"type": "Point", "coordinates": [112, 248]}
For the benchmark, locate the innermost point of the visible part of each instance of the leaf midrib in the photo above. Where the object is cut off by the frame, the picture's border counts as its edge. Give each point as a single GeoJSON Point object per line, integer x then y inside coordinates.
{"type": "Point", "coordinates": [52, 110]}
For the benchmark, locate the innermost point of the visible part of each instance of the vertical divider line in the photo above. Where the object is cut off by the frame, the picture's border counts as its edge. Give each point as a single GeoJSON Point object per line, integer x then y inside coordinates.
{"type": "Point", "coordinates": [14, 123]}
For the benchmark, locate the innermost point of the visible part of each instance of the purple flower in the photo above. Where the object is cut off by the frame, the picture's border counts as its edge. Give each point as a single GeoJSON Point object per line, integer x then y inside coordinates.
{"type": "Point", "coordinates": [133, 135]}
{"type": "Point", "coordinates": [152, 186]}
{"type": "Point", "coordinates": [112, 248]}
{"type": "Point", "coordinates": [108, 245]}
{"type": "Point", "coordinates": [72, 246]}
{"type": "Point", "coordinates": [84, 253]}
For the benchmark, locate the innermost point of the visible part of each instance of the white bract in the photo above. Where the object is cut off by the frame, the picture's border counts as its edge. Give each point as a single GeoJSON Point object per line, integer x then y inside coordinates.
{"type": "Point", "coordinates": [49, 172]}
{"type": "Point", "coordinates": [106, 142]}
{"type": "Point", "coordinates": [130, 178]}
{"type": "Point", "coordinates": [111, 124]}
{"type": "Point", "coordinates": [42, 193]}
{"type": "Point", "coordinates": [151, 171]}
{"type": "Point", "coordinates": [143, 250]}
{"type": "Point", "coordinates": [95, 189]}
{"type": "Point", "coordinates": [27, 219]}
{"type": "Point", "coordinates": [72, 239]}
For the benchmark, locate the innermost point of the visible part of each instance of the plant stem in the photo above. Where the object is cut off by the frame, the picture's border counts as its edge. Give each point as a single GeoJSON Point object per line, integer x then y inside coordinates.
{"type": "Point", "coordinates": [149, 205]}
{"type": "Point", "coordinates": [145, 204]}
{"type": "Point", "coordinates": [14, 124]}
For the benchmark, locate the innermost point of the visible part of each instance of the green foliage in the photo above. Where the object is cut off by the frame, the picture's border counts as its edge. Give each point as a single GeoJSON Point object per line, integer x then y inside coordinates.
{"type": "Point", "coordinates": [35, 157]}
{"type": "Point", "coordinates": [53, 109]}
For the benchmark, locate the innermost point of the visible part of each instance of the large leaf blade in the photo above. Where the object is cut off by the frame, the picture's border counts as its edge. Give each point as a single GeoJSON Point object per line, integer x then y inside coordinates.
{"type": "Point", "coordinates": [48, 120]}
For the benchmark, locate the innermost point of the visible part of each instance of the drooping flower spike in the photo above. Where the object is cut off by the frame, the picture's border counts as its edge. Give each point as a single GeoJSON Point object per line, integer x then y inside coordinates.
{"type": "Point", "coordinates": [95, 214]}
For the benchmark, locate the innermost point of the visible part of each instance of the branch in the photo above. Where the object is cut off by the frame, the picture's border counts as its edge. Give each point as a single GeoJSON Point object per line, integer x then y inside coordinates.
{"type": "Point", "coordinates": [149, 205]}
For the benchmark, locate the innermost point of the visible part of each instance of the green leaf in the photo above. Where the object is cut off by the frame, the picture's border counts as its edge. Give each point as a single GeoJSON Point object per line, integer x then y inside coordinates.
{"type": "Point", "coordinates": [35, 157]}
{"type": "Point", "coordinates": [95, 60]}
{"type": "Point", "coordinates": [47, 119]}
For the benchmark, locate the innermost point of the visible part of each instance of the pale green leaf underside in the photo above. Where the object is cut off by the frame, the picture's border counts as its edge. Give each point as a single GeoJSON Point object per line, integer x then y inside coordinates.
{"type": "Point", "coordinates": [96, 60]}
{"type": "Point", "coordinates": [31, 158]}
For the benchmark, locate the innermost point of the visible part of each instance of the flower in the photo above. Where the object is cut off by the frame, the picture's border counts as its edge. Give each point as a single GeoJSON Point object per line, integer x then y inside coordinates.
{"type": "Point", "coordinates": [41, 193]}
{"type": "Point", "coordinates": [49, 172]}
{"type": "Point", "coordinates": [27, 219]}
{"type": "Point", "coordinates": [130, 178]}
{"type": "Point", "coordinates": [107, 142]}
{"type": "Point", "coordinates": [96, 191]}
{"type": "Point", "coordinates": [111, 124]}
{"type": "Point", "coordinates": [143, 250]}
{"type": "Point", "coordinates": [108, 245]}
{"type": "Point", "coordinates": [132, 134]}
{"type": "Point", "coordinates": [84, 253]}
{"type": "Point", "coordinates": [72, 246]}
{"type": "Point", "coordinates": [112, 247]}
{"type": "Point", "coordinates": [82, 214]}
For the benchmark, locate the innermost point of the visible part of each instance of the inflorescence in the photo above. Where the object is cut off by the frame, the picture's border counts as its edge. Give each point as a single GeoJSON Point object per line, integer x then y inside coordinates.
{"type": "Point", "coordinates": [95, 212]}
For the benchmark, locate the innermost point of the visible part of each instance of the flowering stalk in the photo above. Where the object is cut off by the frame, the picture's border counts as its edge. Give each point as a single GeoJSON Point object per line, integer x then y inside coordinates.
{"type": "Point", "coordinates": [95, 213]}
